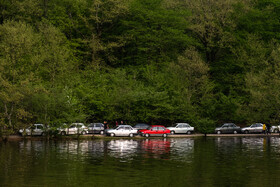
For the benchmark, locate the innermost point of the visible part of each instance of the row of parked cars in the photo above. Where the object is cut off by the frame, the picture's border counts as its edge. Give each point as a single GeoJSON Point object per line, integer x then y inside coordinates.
{"type": "Point", "coordinates": [141, 129]}
{"type": "Point", "coordinates": [121, 130]}
{"type": "Point", "coordinates": [254, 128]}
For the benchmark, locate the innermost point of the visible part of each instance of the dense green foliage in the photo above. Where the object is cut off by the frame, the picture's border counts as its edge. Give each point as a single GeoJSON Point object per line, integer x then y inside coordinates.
{"type": "Point", "coordinates": [154, 61]}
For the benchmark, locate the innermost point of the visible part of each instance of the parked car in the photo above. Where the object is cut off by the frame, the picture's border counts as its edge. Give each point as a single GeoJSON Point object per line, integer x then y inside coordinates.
{"type": "Point", "coordinates": [75, 128]}
{"type": "Point", "coordinates": [254, 128]}
{"type": "Point", "coordinates": [141, 126]}
{"type": "Point", "coordinates": [122, 130]}
{"type": "Point", "coordinates": [95, 128]}
{"type": "Point", "coordinates": [228, 128]}
{"type": "Point", "coordinates": [155, 130]}
{"type": "Point", "coordinates": [275, 129]}
{"type": "Point", "coordinates": [181, 128]}
{"type": "Point", "coordinates": [35, 129]}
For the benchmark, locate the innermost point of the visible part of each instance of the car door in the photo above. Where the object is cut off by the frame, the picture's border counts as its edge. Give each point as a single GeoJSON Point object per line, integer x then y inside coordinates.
{"type": "Point", "coordinates": [154, 130]}
{"type": "Point", "coordinates": [259, 128]}
{"type": "Point", "coordinates": [253, 129]}
{"type": "Point", "coordinates": [185, 128]}
{"type": "Point", "coordinates": [39, 129]}
{"type": "Point", "coordinates": [179, 129]}
{"type": "Point", "coordinates": [160, 130]}
{"type": "Point", "coordinates": [119, 131]}
{"type": "Point", "coordinates": [225, 128]}
{"type": "Point", "coordinates": [72, 129]}
{"type": "Point", "coordinates": [97, 128]}
{"type": "Point", "coordinates": [127, 131]}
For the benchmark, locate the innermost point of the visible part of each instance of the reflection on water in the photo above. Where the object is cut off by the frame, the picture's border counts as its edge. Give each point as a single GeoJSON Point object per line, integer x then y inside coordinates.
{"type": "Point", "coordinates": [212, 161]}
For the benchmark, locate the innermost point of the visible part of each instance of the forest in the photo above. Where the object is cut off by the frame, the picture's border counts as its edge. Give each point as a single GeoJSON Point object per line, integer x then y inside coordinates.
{"type": "Point", "coordinates": [204, 62]}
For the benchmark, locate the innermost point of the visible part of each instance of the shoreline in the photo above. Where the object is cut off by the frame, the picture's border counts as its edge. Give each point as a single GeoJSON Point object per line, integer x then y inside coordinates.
{"type": "Point", "coordinates": [97, 136]}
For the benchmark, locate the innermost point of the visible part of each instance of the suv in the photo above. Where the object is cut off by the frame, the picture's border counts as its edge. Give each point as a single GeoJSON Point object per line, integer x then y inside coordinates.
{"type": "Point", "coordinates": [95, 128]}
{"type": "Point", "coordinates": [36, 129]}
{"type": "Point", "coordinates": [75, 128]}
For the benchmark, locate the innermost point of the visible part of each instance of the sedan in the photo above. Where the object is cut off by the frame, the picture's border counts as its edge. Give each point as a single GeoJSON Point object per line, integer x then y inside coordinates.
{"type": "Point", "coordinates": [255, 128]}
{"type": "Point", "coordinates": [122, 130]}
{"type": "Point", "coordinates": [228, 128]}
{"type": "Point", "coordinates": [181, 128]}
{"type": "Point", "coordinates": [75, 128]}
{"type": "Point", "coordinates": [155, 130]}
{"type": "Point", "coordinates": [36, 129]}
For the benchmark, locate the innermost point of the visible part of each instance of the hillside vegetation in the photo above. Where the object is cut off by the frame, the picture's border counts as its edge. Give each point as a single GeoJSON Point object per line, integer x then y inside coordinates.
{"type": "Point", "coordinates": [157, 61]}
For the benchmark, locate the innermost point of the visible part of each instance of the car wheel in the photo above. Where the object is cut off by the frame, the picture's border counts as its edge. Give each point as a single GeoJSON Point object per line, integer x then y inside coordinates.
{"type": "Point", "coordinates": [147, 135]}
{"type": "Point", "coordinates": [112, 134]}
{"type": "Point", "coordinates": [189, 132]}
{"type": "Point", "coordinates": [130, 135]}
{"type": "Point", "coordinates": [101, 132]}
{"type": "Point", "coordinates": [276, 130]}
{"type": "Point", "coordinates": [164, 135]}
{"type": "Point", "coordinates": [218, 132]}
{"type": "Point", "coordinates": [246, 132]}
{"type": "Point", "coordinates": [83, 132]}
{"type": "Point", "coordinates": [234, 132]}
{"type": "Point", "coordinates": [43, 134]}
{"type": "Point", "coordinates": [172, 132]}
{"type": "Point", "coordinates": [63, 133]}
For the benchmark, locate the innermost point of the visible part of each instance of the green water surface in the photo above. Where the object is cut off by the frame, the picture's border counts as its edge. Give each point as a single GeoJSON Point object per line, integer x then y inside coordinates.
{"type": "Point", "coordinates": [211, 161]}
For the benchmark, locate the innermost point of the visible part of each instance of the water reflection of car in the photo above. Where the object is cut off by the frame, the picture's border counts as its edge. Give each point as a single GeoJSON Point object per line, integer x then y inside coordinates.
{"type": "Point", "coordinates": [155, 130]}
{"type": "Point", "coordinates": [228, 128]}
{"type": "Point", "coordinates": [75, 128]}
{"type": "Point", "coordinates": [275, 129]}
{"type": "Point", "coordinates": [95, 128]}
{"type": "Point", "coordinates": [181, 128]}
{"type": "Point", "coordinates": [254, 128]}
{"type": "Point", "coordinates": [158, 147]}
{"type": "Point", "coordinates": [122, 130]}
{"type": "Point", "coordinates": [35, 129]}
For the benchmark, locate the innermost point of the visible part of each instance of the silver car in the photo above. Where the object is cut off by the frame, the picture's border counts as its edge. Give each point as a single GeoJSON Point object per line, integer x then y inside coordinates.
{"type": "Point", "coordinates": [36, 129]}
{"type": "Point", "coordinates": [122, 130]}
{"type": "Point", "coordinates": [275, 129]}
{"type": "Point", "coordinates": [75, 128]}
{"type": "Point", "coordinates": [181, 128]}
{"type": "Point", "coordinates": [255, 128]}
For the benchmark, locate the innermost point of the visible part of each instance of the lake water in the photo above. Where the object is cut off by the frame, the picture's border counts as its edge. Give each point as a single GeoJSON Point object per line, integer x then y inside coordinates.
{"type": "Point", "coordinates": [211, 161]}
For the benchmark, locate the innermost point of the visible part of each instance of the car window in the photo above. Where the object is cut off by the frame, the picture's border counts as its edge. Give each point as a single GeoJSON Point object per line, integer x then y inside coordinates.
{"type": "Point", "coordinates": [39, 127]}
{"type": "Point", "coordinates": [72, 126]}
{"type": "Point", "coordinates": [260, 125]}
{"type": "Point", "coordinates": [127, 128]}
{"type": "Point", "coordinates": [160, 128]}
{"type": "Point", "coordinates": [225, 126]}
{"type": "Point", "coordinates": [179, 126]}
{"type": "Point", "coordinates": [120, 128]}
{"type": "Point", "coordinates": [154, 128]}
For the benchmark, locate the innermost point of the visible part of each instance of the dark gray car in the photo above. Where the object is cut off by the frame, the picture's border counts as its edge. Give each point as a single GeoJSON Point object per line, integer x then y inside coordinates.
{"type": "Point", "coordinates": [141, 126]}
{"type": "Point", "coordinates": [95, 128]}
{"type": "Point", "coordinates": [228, 128]}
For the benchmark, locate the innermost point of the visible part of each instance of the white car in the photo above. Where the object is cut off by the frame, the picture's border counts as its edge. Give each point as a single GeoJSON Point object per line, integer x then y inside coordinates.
{"type": "Point", "coordinates": [275, 129]}
{"type": "Point", "coordinates": [36, 129]}
{"type": "Point", "coordinates": [122, 130]}
{"type": "Point", "coordinates": [255, 128]}
{"type": "Point", "coordinates": [75, 128]}
{"type": "Point", "coordinates": [181, 128]}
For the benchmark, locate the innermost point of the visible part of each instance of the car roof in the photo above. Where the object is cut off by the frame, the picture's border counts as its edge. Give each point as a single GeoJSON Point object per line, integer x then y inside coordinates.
{"type": "Point", "coordinates": [124, 125]}
{"type": "Point", "coordinates": [157, 126]}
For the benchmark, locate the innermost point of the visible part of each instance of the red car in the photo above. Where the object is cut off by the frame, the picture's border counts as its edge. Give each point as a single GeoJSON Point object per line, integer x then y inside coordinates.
{"type": "Point", "coordinates": [155, 130]}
